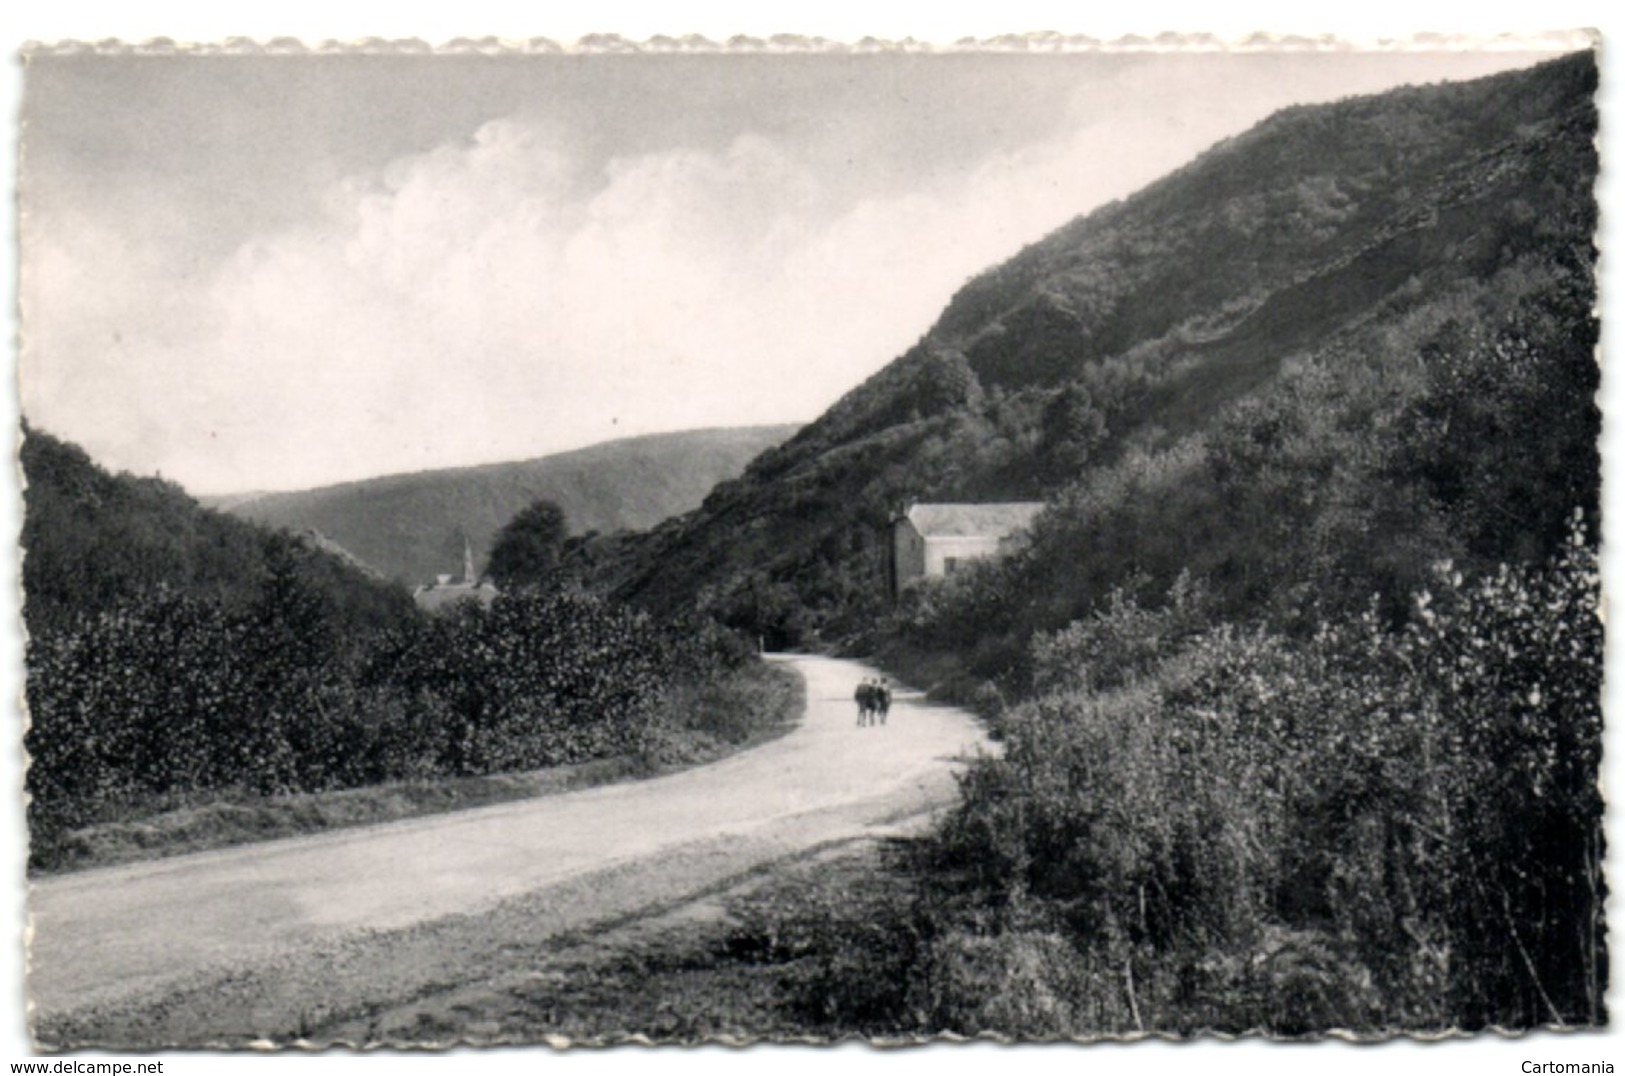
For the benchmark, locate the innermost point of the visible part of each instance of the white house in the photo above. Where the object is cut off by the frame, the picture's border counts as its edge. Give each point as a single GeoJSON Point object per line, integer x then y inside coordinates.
{"type": "Point", "coordinates": [930, 541]}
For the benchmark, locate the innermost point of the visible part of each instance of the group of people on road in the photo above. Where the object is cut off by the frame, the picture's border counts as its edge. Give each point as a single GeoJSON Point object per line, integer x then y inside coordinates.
{"type": "Point", "coordinates": [874, 701]}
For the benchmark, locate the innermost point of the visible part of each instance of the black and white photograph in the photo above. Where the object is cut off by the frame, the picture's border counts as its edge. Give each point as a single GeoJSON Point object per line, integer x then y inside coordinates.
{"type": "Point", "coordinates": [791, 540]}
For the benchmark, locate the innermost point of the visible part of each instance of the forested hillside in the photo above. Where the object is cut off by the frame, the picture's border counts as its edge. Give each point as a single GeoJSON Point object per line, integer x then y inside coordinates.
{"type": "Point", "coordinates": [180, 658]}
{"type": "Point", "coordinates": [1325, 266]}
{"type": "Point", "coordinates": [412, 527]}
{"type": "Point", "coordinates": [94, 541]}
{"type": "Point", "coordinates": [1299, 680]}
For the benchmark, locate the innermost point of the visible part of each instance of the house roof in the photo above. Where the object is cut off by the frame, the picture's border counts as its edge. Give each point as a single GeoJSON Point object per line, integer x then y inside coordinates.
{"type": "Point", "coordinates": [443, 595]}
{"type": "Point", "coordinates": [973, 520]}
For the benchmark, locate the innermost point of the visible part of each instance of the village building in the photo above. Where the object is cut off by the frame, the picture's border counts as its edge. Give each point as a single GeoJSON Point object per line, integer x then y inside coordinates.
{"type": "Point", "coordinates": [931, 541]}
{"type": "Point", "coordinates": [446, 591]}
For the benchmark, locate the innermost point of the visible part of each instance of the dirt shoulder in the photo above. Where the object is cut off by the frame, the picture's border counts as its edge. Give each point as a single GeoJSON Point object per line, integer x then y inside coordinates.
{"type": "Point", "coordinates": [704, 969]}
{"type": "Point", "coordinates": [301, 939]}
{"type": "Point", "coordinates": [550, 966]}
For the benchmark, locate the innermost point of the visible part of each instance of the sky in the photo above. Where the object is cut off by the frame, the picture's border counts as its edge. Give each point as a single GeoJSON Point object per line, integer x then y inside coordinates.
{"type": "Point", "coordinates": [844, 20]}
{"type": "Point", "coordinates": [278, 272]}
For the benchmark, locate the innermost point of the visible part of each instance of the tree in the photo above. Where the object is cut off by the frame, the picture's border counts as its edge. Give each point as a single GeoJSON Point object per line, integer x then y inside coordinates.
{"type": "Point", "coordinates": [1071, 431]}
{"type": "Point", "coordinates": [944, 381]}
{"type": "Point", "coordinates": [526, 552]}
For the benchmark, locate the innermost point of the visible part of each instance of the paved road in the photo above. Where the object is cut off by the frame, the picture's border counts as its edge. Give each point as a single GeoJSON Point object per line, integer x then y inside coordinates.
{"type": "Point", "coordinates": [114, 936]}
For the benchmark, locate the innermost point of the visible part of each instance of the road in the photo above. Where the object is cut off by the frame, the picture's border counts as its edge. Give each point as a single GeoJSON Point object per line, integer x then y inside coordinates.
{"type": "Point", "coordinates": [390, 899]}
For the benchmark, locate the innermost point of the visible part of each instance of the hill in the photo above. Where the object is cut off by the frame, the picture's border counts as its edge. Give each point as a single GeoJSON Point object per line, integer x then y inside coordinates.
{"type": "Point", "coordinates": [183, 660]}
{"type": "Point", "coordinates": [1299, 680]}
{"type": "Point", "coordinates": [1333, 253]}
{"type": "Point", "coordinates": [95, 541]}
{"type": "Point", "coordinates": [411, 527]}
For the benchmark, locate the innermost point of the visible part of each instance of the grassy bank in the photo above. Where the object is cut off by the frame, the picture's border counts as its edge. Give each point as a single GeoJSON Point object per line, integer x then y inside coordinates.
{"type": "Point", "coordinates": [798, 951]}
{"type": "Point", "coordinates": [698, 724]}
{"type": "Point", "coordinates": [941, 674]}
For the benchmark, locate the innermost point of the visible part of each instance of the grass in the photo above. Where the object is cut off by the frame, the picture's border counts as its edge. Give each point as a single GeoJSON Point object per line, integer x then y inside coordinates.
{"type": "Point", "coordinates": [788, 954]}
{"type": "Point", "coordinates": [816, 950]}
{"type": "Point", "coordinates": [702, 722]}
{"type": "Point", "coordinates": [942, 675]}
{"type": "Point", "coordinates": [699, 725]}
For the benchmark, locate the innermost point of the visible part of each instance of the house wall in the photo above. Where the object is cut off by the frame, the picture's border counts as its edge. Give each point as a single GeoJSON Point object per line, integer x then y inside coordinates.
{"type": "Point", "coordinates": [908, 554]}
{"type": "Point", "coordinates": [917, 557]}
{"type": "Point", "coordinates": [939, 550]}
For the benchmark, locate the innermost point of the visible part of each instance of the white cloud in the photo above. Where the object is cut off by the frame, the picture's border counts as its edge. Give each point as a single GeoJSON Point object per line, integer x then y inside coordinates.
{"type": "Point", "coordinates": [480, 302]}
{"type": "Point", "coordinates": [496, 299]}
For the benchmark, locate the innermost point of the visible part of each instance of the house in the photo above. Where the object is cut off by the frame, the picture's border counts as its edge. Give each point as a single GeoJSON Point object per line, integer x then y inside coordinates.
{"type": "Point", "coordinates": [446, 592]}
{"type": "Point", "coordinates": [930, 541]}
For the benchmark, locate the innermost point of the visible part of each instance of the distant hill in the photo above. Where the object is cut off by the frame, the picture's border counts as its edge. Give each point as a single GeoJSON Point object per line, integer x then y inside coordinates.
{"type": "Point", "coordinates": [411, 527]}
{"type": "Point", "coordinates": [96, 541]}
{"type": "Point", "coordinates": [1335, 264]}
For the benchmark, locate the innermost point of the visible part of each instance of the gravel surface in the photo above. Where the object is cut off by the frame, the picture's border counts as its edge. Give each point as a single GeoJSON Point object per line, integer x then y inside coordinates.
{"type": "Point", "coordinates": [268, 942]}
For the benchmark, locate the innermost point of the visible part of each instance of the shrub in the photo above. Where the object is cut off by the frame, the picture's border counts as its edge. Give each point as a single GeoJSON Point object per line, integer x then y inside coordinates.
{"type": "Point", "coordinates": [1119, 643]}
{"type": "Point", "coordinates": [1025, 985]}
{"type": "Point", "coordinates": [166, 699]}
{"type": "Point", "coordinates": [1371, 828]}
{"type": "Point", "coordinates": [849, 939]}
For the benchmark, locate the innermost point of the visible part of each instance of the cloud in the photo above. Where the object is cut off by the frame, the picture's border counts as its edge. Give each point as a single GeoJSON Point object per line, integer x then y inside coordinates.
{"type": "Point", "coordinates": [502, 296]}
{"type": "Point", "coordinates": [485, 301]}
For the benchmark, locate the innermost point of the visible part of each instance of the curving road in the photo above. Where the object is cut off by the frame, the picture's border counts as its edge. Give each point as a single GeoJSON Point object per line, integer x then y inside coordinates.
{"type": "Point", "coordinates": [115, 938]}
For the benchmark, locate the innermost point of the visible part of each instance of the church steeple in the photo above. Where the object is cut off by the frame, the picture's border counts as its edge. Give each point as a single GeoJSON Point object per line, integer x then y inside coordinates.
{"type": "Point", "coordinates": [468, 563]}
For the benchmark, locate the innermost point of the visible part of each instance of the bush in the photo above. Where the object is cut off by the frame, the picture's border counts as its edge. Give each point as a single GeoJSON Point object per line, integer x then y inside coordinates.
{"type": "Point", "coordinates": [1024, 985]}
{"type": "Point", "coordinates": [167, 699]}
{"type": "Point", "coordinates": [541, 678]}
{"type": "Point", "coordinates": [1486, 715]}
{"type": "Point", "coordinates": [1119, 643]}
{"type": "Point", "coordinates": [848, 936]}
{"type": "Point", "coordinates": [1372, 828]}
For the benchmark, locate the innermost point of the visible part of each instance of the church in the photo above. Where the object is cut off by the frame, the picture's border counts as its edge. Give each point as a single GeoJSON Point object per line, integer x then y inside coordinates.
{"type": "Point", "coordinates": [446, 592]}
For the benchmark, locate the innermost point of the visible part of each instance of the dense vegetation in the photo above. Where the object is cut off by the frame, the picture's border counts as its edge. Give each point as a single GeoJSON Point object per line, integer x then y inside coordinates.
{"type": "Point", "coordinates": [525, 551]}
{"type": "Point", "coordinates": [1299, 680]}
{"type": "Point", "coordinates": [178, 657]}
{"type": "Point", "coordinates": [1199, 826]}
{"type": "Point", "coordinates": [412, 527]}
{"type": "Point", "coordinates": [1465, 431]}
{"type": "Point", "coordinates": [1371, 829]}
{"type": "Point", "coordinates": [1317, 236]}
{"type": "Point", "coordinates": [95, 541]}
